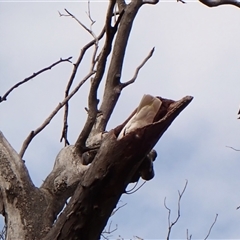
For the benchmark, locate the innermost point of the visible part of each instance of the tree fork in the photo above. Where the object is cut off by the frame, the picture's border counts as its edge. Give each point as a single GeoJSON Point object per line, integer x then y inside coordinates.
{"type": "Point", "coordinates": [109, 174]}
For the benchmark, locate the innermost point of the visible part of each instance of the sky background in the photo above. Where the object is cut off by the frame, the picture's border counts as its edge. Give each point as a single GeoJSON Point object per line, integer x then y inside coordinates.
{"type": "Point", "coordinates": [197, 53]}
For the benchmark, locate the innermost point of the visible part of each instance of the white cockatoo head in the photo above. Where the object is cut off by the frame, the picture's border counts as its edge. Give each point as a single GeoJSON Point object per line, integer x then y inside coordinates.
{"type": "Point", "coordinates": [145, 114]}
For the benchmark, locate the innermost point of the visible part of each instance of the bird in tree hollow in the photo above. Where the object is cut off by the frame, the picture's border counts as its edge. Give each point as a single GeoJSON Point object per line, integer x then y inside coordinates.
{"type": "Point", "coordinates": [145, 114]}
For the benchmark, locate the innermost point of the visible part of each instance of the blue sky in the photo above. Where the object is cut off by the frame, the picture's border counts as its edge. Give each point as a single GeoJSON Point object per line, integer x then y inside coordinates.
{"type": "Point", "coordinates": [196, 53]}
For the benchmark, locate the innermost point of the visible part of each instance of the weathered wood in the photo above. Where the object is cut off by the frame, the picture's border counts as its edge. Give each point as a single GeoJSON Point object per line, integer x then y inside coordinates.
{"type": "Point", "coordinates": [108, 176]}
{"type": "Point", "coordinates": [22, 203]}
{"type": "Point", "coordinates": [97, 169]}
{"type": "Point", "coordinates": [30, 211]}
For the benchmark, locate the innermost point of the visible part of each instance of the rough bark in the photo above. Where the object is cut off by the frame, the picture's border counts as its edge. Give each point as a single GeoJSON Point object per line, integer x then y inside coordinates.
{"type": "Point", "coordinates": [19, 196]}
{"type": "Point", "coordinates": [97, 169]}
{"type": "Point", "coordinates": [112, 169]}
{"type": "Point", "coordinates": [29, 211]}
{"type": "Point", "coordinates": [113, 85]}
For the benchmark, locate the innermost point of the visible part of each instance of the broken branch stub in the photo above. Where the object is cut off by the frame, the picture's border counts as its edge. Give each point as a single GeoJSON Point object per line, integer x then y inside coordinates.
{"type": "Point", "coordinates": [147, 124]}
{"type": "Point", "coordinates": [112, 169]}
{"type": "Point", "coordinates": [162, 112]}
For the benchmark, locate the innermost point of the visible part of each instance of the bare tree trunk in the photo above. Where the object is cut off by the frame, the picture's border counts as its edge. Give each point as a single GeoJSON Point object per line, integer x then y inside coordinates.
{"type": "Point", "coordinates": [112, 169]}
{"type": "Point", "coordinates": [97, 169]}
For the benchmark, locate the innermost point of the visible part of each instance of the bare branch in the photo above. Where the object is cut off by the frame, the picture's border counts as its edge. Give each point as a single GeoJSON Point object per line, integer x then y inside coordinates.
{"type": "Point", "coordinates": [233, 148]}
{"type": "Point", "coordinates": [169, 210]}
{"type": "Point", "coordinates": [181, 1]}
{"type": "Point", "coordinates": [211, 227]}
{"type": "Point", "coordinates": [65, 126]}
{"type": "Point", "coordinates": [112, 88]}
{"type": "Point", "coordinates": [138, 238]}
{"type": "Point", "coordinates": [189, 237]}
{"type": "Point", "coordinates": [138, 69]}
{"type": "Point", "coordinates": [75, 18]}
{"type": "Point", "coordinates": [92, 99]}
{"type": "Point", "coordinates": [135, 190]}
{"type": "Point", "coordinates": [171, 224]}
{"type": "Point", "coordinates": [132, 187]}
{"type": "Point", "coordinates": [89, 14]}
{"type": "Point", "coordinates": [109, 231]}
{"type": "Point", "coordinates": [215, 3]}
{"type": "Point", "coordinates": [70, 82]}
{"type": "Point", "coordinates": [115, 210]}
{"type": "Point", "coordinates": [4, 97]}
{"type": "Point", "coordinates": [95, 194]}
{"type": "Point", "coordinates": [150, 1]}
{"type": "Point", "coordinates": [48, 120]}
{"type": "Point", "coordinates": [3, 232]}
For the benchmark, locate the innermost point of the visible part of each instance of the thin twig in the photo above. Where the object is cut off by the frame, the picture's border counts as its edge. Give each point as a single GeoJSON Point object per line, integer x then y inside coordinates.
{"type": "Point", "coordinates": [139, 238]}
{"type": "Point", "coordinates": [92, 98]}
{"type": "Point", "coordinates": [115, 210]}
{"type": "Point", "coordinates": [233, 148]}
{"type": "Point", "coordinates": [189, 237]}
{"type": "Point", "coordinates": [4, 97]}
{"type": "Point", "coordinates": [171, 224]}
{"type": "Point", "coordinates": [55, 111]}
{"type": "Point", "coordinates": [211, 227]}
{"type": "Point", "coordinates": [109, 231]}
{"type": "Point", "coordinates": [65, 126]}
{"type": "Point", "coordinates": [215, 3]}
{"type": "Point", "coordinates": [102, 234]}
{"type": "Point", "coordinates": [89, 14]}
{"type": "Point", "coordinates": [131, 192]}
{"type": "Point", "coordinates": [150, 1]}
{"type": "Point", "coordinates": [133, 187]}
{"type": "Point", "coordinates": [138, 69]}
{"type": "Point", "coordinates": [70, 82]}
{"type": "Point", "coordinates": [181, 1]}
{"type": "Point", "coordinates": [75, 18]}
{"type": "Point", "coordinates": [3, 233]}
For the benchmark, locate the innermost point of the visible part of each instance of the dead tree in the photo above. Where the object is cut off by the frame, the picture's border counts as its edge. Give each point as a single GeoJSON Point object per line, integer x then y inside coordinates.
{"type": "Point", "coordinates": [95, 171]}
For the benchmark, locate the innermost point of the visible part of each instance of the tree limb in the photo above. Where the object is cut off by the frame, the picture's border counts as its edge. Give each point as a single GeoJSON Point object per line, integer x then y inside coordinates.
{"type": "Point", "coordinates": [138, 69]}
{"type": "Point", "coordinates": [92, 97]}
{"type": "Point", "coordinates": [215, 3]}
{"type": "Point", "coordinates": [104, 182]}
{"type": "Point", "coordinates": [20, 196]}
{"type": "Point", "coordinates": [81, 24]}
{"type": "Point", "coordinates": [113, 86]}
{"type": "Point", "coordinates": [89, 14]}
{"type": "Point", "coordinates": [4, 97]}
{"type": "Point", "coordinates": [63, 179]}
{"type": "Point", "coordinates": [55, 111]}
{"type": "Point", "coordinates": [237, 150]}
{"type": "Point", "coordinates": [20, 199]}
{"type": "Point", "coordinates": [210, 229]}
{"type": "Point", "coordinates": [70, 82]}
{"type": "Point", "coordinates": [150, 1]}
{"type": "Point", "coordinates": [171, 224]}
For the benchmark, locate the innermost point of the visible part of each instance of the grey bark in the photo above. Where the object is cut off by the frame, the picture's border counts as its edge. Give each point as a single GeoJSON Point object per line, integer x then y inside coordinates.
{"type": "Point", "coordinates": [97, 169]}
{"type": "Point", "coordinates": [30, 211]}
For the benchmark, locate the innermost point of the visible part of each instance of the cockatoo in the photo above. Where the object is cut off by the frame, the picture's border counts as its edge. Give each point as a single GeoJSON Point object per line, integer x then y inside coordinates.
{"type": "Point", "coordinates": [145, 114]}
